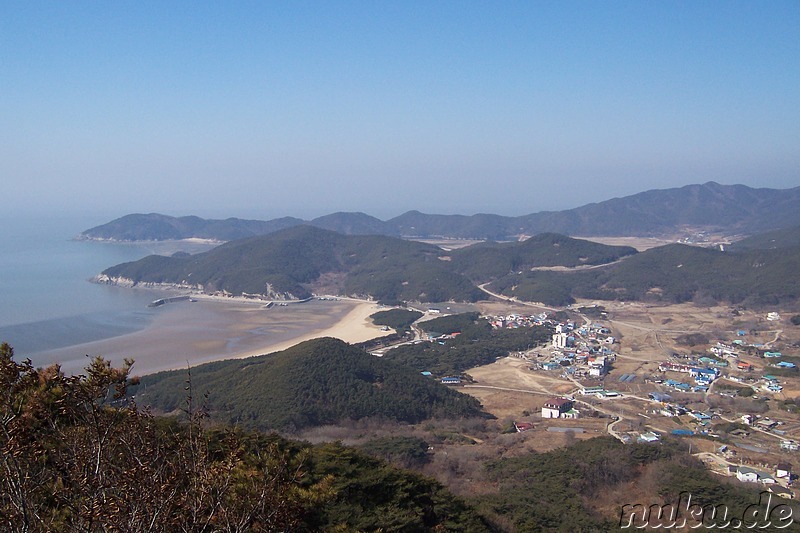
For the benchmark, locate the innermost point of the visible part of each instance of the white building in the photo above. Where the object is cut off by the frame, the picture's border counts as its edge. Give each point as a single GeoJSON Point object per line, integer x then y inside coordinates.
{"type": "Point", "coordinates": [748, 475]}
{"type": "Point", "coordinates": [560, 340]}
{"type": "Point", "coordinates": [559, 408]}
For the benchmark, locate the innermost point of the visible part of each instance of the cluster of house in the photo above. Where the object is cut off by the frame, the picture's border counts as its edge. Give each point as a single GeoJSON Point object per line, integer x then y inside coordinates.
{"type": "Point", "coordinates": [669, 409]}
{"type": "Point", "coordinates": [580, 351]}
{"type": "Point", "coordinates": [756, 421]}
{"type": "Point", "coordinates": [783, 472]}
{"type": "Point", "coordinates": [767, 382]}
{"type": "Point", "coordinates": [514, 321]}
{"type": "Point", "coordinates": [731, 351]}
{"type": "Point", "coordinates": [702, 376]}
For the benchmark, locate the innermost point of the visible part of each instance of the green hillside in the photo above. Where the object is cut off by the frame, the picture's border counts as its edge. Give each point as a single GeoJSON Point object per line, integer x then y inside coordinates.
{"type": "Point", "coordinates": [561, 490]}
{"type": "Point", "coordinates": [490, 260]}
{"type": "Point", "coordinates": [80, 455]}
{"type": "Point", "coordinates": [289, 262]}
{"type": "Point", "coordinates": [299, 261]}
{"type": "Point", "coordinates": [782, 238]}
{"type": "Point", "coordinates": [673, 273]}
{"type": "Point", "coordinates": [398, 319]}
{"type": "Point", "coordinates": [322, 381]}
{"type": "Point", "coordinates": [157, 227]}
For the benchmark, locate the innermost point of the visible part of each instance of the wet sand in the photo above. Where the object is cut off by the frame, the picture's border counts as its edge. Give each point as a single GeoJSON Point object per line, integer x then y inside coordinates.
{"type": "Point", "coordinates": [187, 334]}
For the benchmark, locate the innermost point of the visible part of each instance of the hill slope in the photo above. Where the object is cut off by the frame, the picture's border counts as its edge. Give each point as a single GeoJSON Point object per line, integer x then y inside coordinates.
{"type": "Point", "coordinates": [318, 382]}
{"type": "Point", "coordinates": [672, 273]}
{"type": "Point", "coordinates": [299, 261]}
{"type": "Point", "coordinates": [484, 261]}
{"type": "Point", "coordinates": [782, 238]}
{"type": "Point", "coordinates": [289, 263]}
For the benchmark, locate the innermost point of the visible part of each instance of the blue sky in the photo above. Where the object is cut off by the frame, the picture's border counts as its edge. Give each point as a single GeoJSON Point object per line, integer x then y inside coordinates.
{"type": "Point", "coordinates": [265, 109]}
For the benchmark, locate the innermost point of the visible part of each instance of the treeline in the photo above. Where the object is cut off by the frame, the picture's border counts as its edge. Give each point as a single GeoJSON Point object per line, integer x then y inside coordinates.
{"type": "Point", "coordinates": [318, 382]}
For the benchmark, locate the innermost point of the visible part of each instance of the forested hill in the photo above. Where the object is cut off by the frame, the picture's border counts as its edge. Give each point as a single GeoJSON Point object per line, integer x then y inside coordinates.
{"type": "Point", "coordinates": [674, 273]}
{"type": "Point", "coordinates": [731, 209]}
{"type": "Point", "coordinates": [318, 382]}
{"type": "Point", "coordinates": [782, 238]}
{"type": "Point", "coordinates": [303, 260]}
{"type": "Point", "coordinates": [157, 227]}
{"type": "Point", "coordinates": [489, 260]}
{"type": "Point", "coordinates": [299, 261]}
{"type": "Point", "coordinates": [290, 263]}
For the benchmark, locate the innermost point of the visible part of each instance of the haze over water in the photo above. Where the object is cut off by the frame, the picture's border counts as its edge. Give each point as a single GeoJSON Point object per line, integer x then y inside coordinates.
{"type": "Point", "coordinates": [51, 313]}
{"type": "Point", "coordinates": [46, 300]}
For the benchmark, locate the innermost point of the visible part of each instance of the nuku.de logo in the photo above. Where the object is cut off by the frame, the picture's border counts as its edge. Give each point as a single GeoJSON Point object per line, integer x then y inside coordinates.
{"type": "Point", "coordinates": [765, 513]}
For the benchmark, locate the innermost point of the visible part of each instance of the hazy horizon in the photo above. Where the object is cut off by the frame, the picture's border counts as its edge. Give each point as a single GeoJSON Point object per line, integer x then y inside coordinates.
{"type": "Point", "coordinates": [261, 110]}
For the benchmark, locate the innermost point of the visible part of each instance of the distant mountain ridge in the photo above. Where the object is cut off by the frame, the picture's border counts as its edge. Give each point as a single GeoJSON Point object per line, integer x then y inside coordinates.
{"type": "Point", "coordinates": [730, 209]}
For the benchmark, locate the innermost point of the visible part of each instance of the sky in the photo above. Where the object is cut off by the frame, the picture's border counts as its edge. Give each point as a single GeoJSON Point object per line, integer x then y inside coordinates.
{"type": "Point", "coordinates": [266, 109]}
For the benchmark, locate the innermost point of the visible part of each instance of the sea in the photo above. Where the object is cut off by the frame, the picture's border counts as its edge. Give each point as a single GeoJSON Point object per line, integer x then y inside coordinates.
{"type": "Point", "coordinates": [46, 298]}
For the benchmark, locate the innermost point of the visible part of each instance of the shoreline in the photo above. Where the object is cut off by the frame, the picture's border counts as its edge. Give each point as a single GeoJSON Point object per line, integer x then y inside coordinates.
{"type": "Point", "coordinates": [219, 328]}
{"type": "Point", "coordinates": [353, 328]}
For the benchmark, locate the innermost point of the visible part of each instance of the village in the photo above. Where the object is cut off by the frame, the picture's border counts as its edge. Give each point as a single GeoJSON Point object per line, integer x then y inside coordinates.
{"type": "Point", "coordinates": [729, 395]}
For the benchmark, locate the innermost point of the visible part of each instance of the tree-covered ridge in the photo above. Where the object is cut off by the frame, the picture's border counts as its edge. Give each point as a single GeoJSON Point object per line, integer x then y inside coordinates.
{"type": "Point", "coordinates": [157, 227]}
{"type": "Point", "coordinates": [318, 382]}
{"type": "Point", "coordinates": [289, 262]}
{"type": "Point", "coordinates": [78, 455]}
{"type": "Point", "coordinates": [490, 260]}
{"type": "Point", "coordinates": [673, 273]}
{"type": "Point", "coordinates": [293, 262]}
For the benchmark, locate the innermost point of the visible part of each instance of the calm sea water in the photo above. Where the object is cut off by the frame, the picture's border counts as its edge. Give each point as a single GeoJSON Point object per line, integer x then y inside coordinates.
{"type": "Point", "coordinates": [46, 300]}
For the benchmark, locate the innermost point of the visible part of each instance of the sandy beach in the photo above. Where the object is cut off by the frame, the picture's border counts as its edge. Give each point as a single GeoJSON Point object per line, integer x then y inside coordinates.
{"type": "Point", "coordinates": [188, 334]}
